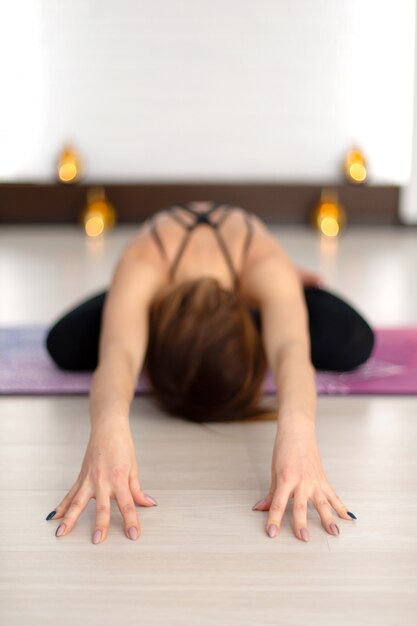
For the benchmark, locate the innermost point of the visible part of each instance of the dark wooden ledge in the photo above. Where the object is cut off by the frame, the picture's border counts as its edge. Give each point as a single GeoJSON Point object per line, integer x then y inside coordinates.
{"type": "Point", "coordinates": [58, 203]}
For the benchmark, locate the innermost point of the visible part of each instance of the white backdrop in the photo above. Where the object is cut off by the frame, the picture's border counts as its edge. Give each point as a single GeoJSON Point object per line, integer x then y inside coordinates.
{"type": "Point", "coordinates": [207, 89]}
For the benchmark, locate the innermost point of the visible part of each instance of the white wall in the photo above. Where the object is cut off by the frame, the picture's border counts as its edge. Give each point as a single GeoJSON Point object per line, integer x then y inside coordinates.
{"type": "Point", "coordinates": [408, 198]}
{"type": "Point", "coordinates": [207, 89]}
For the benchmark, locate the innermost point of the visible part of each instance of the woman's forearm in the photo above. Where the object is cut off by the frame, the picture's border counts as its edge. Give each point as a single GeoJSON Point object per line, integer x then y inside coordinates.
{"type": "Point", "coordinates": [296, 388]}
{"type": "Point", "coordinates": [112, 390]}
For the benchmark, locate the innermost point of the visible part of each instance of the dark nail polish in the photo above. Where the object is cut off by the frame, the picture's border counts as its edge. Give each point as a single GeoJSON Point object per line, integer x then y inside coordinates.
{"type": "Point", "coordinates": [50, 516]}
{"type": "Point", "coordinates": [351, 515]}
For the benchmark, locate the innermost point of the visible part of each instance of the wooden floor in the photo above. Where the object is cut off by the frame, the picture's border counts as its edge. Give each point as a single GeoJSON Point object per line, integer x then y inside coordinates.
{"type": "Point", "coordinates": [203, 556]}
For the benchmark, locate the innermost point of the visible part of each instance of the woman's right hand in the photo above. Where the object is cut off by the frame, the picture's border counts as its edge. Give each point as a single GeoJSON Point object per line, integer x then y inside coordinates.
{"type": "Point", "coordinates": [109, 470]}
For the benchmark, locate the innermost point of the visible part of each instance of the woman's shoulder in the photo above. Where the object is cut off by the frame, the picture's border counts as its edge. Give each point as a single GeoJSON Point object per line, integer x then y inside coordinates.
{"type": "Point", "coordinates": [264, 245]}
{"type": "Point", "coordinates": [265, 256]}
{"type": "Point", "coordinates": [141, 246]}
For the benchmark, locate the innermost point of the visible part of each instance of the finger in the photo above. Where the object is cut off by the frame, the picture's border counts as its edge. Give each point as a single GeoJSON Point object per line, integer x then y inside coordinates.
{"type": "Point", "coordinates": [127, 508]}
{"type": "Point", "coordinates": [300, 515]}
{"type": "Point", "coordinates": [103, 511]}
{"type": "Point", "coordinates": [64, 504]}
{"type": "Point", "coordinates": [277, 508]}
{"type": "Point", "coordinates": [264, 503]}
{"type": "Point", "coordinates": [139, 496]}
{"type": "Point", "coordinates": [77, 506]}
{"type": "Point", "coordinates": [338, 505]}
{"type": "Point", "coordinates": [322, 505]}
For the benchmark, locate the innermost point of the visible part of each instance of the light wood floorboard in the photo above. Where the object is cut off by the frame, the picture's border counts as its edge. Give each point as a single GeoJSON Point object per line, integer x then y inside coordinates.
{"type": "Point", "coordinates": [203, 557]}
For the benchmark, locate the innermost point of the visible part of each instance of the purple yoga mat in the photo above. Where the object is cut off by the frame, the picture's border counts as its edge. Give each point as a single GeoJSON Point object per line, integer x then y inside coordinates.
{"type": "Point", "coordinates": [26, 367]}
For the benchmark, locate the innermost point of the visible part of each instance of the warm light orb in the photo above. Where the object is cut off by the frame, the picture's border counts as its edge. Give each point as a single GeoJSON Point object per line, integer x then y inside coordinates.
{"type": "Point", "coordinates": [329, 226]}
{"type": "Point", "coordinates": [69, 165]}
{"type": "Point", "coordinates": [67, 172]}
{"type": "Point", "coordinates": [328, 216]}
{"type": "Point", "coordinates": [94, 225]}
{"type": "Point", "coordinates": [99, 215]}
{"type": "Point", "coordinates": [355, 166]}
{"type": "Point", "coordinates": [357, 172]}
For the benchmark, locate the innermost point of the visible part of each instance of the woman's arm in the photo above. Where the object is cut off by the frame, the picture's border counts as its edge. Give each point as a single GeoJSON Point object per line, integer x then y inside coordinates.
{"type": "Point", "coordinates": [274, 283]}
{"type": "Point", "coordinates": [296, 468]}
{"type": "Point", "coordinates": [123, 339]}
{"type": "Point", "coordinates": [110, 468]}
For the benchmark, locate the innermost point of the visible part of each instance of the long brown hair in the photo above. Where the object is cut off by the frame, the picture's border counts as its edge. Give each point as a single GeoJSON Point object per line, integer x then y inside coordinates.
{"type": "Point", "coordinates": [205, 359]}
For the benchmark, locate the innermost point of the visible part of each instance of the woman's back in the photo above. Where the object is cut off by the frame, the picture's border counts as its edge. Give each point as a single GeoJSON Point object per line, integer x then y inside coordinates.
{"type": "Point", "coordinates": [204, 239]}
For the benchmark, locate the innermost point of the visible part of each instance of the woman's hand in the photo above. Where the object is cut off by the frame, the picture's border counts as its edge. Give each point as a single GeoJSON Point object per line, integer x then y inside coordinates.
{"type": "Point", "coordinates": [297, 472]}
{"type": "Point", "coordinates": [109, 470]}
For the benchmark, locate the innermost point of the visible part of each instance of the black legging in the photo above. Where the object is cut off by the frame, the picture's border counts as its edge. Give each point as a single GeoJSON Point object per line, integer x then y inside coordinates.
{"type": "Point", "coordinates": [340, 338]}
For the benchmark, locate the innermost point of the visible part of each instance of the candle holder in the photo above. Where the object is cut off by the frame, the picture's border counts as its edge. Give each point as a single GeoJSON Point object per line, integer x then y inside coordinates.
{"type": "Point", "coordinates": [99, 214]}
{"type": "Point", "coordinates": [69, 165]}
{"type": "Point", "coordinates": [329, 216]}
{"type": "Point", "coordinates": [355, 166]}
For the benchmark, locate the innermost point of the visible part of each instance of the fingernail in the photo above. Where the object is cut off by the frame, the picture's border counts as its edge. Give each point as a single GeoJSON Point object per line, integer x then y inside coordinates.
{"type": "Point", "coordinates": [50, 516]}
{"type": "Point", "coordinates": [97, 536]}
{"type": "Point", "coordinates": [305, 534]}
{"type": "Point", "coordinates": [272, 530]}
{"type": "Point", "coordinates": [150, 499]}
{"type": "Point", "coordinates": [132, 532]}
{"type": "Point", "coordinates": [334, 528]}
{"type": "Point", "coordinates": [259, 502]}
{"type": "Point", "coordinates": [351, 515]}
{"type": "Point", "coordinates": [61, 529]}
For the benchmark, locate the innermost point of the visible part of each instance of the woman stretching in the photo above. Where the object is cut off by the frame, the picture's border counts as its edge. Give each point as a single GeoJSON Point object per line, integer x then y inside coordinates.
{"type": "Point", "coordinates": [205, 320]}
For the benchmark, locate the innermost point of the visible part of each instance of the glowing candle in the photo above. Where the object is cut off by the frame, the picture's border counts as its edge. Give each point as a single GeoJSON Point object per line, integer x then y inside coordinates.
{"type": "Point", "coordinates": [355, 166]}
{"type": "Point", "coordinates": [328, 216]}
{"type": "Point", "coordinates": [99, 215]}
{"type": "Point", "coordinates": [69, 165]}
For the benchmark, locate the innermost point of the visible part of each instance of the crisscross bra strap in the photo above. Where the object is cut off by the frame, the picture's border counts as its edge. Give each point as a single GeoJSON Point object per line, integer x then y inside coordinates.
{"type": "Point", "coordinates": [203, 218]}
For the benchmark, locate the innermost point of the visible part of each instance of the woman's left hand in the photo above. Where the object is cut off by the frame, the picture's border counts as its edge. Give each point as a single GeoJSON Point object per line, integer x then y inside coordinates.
{"type": "Point", "coordinates": [297, 472]}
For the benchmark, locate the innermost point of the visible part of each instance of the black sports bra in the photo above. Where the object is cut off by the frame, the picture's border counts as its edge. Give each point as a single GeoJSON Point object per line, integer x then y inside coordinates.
{"type": "Point", "coordinates": [203, 217]}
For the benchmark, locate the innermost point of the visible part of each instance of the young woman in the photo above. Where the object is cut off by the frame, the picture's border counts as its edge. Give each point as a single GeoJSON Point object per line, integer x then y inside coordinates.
{"type": "Point", "coordinates": [205, 311]}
